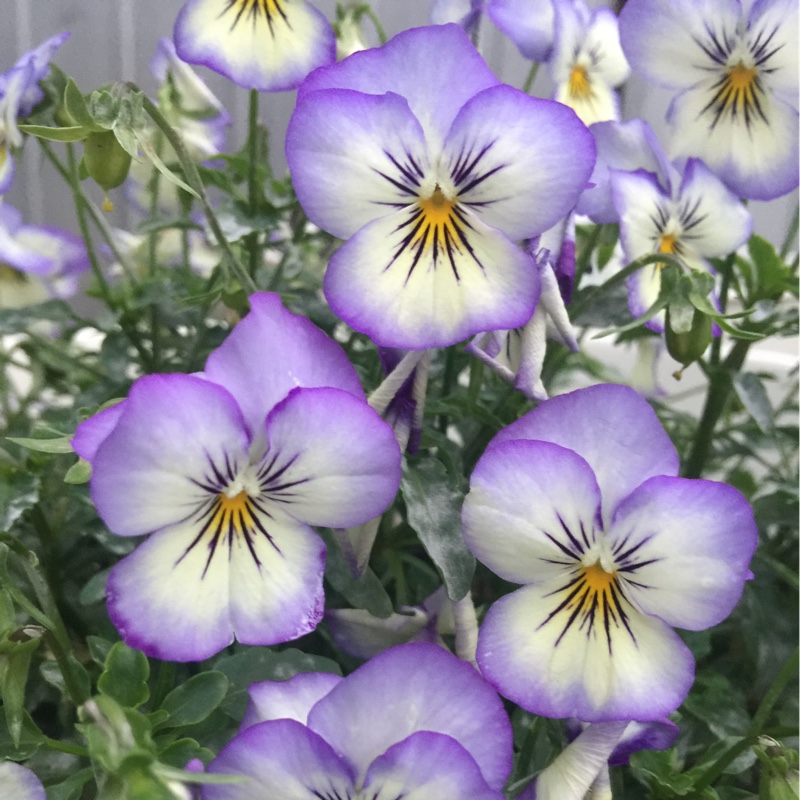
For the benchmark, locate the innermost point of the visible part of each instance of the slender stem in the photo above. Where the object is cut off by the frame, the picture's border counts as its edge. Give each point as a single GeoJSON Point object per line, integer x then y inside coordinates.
{"type": "Point", "coordinates": [65, 747]}
{"type": "Point", "coordinates": [466, 629]}
{"type": "Point", "coordinates": [791, 235]}
{"type": "Point", "coordinates": [194, 180]}
{"type": "Point", "coordinates": [582, 262]}
{"type": "Point", "coordinates": [252, 180]}
{"type": "Point", "coordinates": [719, 387]}
{"type": "Point", "coordinates": [530, 78]}
{"type": "Point", "coordinates": [75, 691]}
{"type": "Point", "coordinates": [382, 38]}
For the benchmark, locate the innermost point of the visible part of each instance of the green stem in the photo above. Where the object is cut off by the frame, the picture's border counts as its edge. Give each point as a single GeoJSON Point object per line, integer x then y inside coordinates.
{"type": "Point", "coordinates": [253, 193]}
{"type": "Point", "coordinates": [194, 180]}
{"type": "Point", "coordinates": [582, 262]}
{"type": "Point", "coordinates": [73, 687]}
{"type": "Point", "coordinates": [382, 38]}
{"type": "Point", "coordinates": [791, 234]}
{"type": "Point", "coordinates": [65, 747]}
{"type": "Point", "coordinates": [530, 78]}
{"type": "Point", "coordinates": [719, 387]}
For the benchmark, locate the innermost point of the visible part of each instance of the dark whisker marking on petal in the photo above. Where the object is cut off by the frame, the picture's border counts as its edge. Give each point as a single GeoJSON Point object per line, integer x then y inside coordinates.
{"type": "Point", "coordinates": [616, 595]}
{"type": "Point", "coordinates": [265, 478]}
{"type": "Point", "coordinates": [404, 170]}
{"type": "Point", "coordinates": [577, 579]}
{"type": "Point", "coordinates": [621, 557]}
{"type": "Point", "coordinates": [575, 543]}
{"type": "Point", "coordinates": [402, 187]}
{"type": "Point", "coordinates": [562, 547]}
{"type": "Point", "coordinates": [578, 608]}
{"type": "Point", "coordinates": [481, 178]}
{"type": "Point", "coordinates": [566, 602]}
{"type": "Point", "coordinates": [265, 533]}
{"type": "Point", "coordinates": [639, 565]}
{"type": "Point", "coordinates": [466, 169]}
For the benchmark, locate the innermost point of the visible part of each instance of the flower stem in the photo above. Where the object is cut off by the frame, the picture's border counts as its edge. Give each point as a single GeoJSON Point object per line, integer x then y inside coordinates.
{"type": "Point", "coordinates": [530, 78]}
{"type": "Point", "coordinates": [253, 246]}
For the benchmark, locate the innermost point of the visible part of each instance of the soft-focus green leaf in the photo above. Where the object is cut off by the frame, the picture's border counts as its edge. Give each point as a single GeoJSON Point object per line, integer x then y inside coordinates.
{"type": "Point", "coordinates": [31, 739]}
{"type": "Point", "coordinates": [71, 134]}
{"type": "Point", "coordinates": [79, 472]}
{"type": "Point", "coordinates": [178, 754]}
{"type": "Point", "coordinates": [194, 700]}
{"type": "Point", "coordinates": [72, 787]}
{"type": "Point", "coordinates": [95, 589]}
{"type": "Point", "coordinates": [76, 106]}
{"type": "Point", "coordinates": [99, 649]}
{"type": "Point", "coordinates": [51, 672]}
{"type": "Point", "coordinates": [15, 666]}
{"type": "Point", "coordinates": [19, 491]}
{"type": "Point", "coordinates": [125, 676]}
{"type": "Point", "coordinates": [56, 446]}
{"type": "Point", "coordinates": [754, 398]}
{"type": "Point", "coordinates": [434, 512]}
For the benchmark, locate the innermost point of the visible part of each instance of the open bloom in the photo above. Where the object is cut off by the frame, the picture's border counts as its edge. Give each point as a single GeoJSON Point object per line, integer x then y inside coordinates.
{"type": "Point", "coordinates": [413, 722]}
{"type": "Point", "coordinates": [734, 63]}
{"type": "Point", "coordinates": [19, 93]}
{"type": "Point", "coordinates": [587, 60]}
{"type": "Point", "coordinates": [228, 470]}
{"type": "Point", "coordinates": [578, 501]}
{"type": "Point", "coordinates": [269, 45]}
{"type": "Point", "coordinates": [431, 169]}
{"type": "Point", "coordinates": [37, 263]}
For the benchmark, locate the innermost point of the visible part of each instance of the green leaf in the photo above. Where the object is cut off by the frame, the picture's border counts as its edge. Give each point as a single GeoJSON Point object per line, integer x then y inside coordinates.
{"type": "Point", "coordinates": [73, 133]}
{"type": "Point", "coordinates": [76, 107]}
{"type": "Point", "coordinates": [14, 320]}
{"type": "Point", "coordinates": [99, 649]}
{"type": "Point", "coordinates": [771, 273]}
{"type": "Point", "coordinates": [15, 667]}
{"type": "Point", "coordinates": [104, 109]}
{"type": "Point", "coordinates": [94, 591]}
{"type": "Point", "coordinates": [79, 472]}
{"type": "Point", "coordinates": [19, 491]}
{"type": "Point", "coordinates": [194, 700]}
{"type": "Point", "coordinates": [179, 753]}
{"type": "Point", "coordinates": [125, 676]}
{"type": "Point", "coordinates": [58, 446]}
{"type": "Point", "coordinates": [72, 787]}
{"type": "Point", "coordinates": [51, 672]}
{"type": "Point", "coordinates": [30, 741]}
{"type": "Point", "coordinates": [161, 167]}
{"type": "Point", "coordinates": [434, 512]}
{"type": "Point", "coordinates": [754, 398]}
{"type": "Point", "coordinates": [365, 592]}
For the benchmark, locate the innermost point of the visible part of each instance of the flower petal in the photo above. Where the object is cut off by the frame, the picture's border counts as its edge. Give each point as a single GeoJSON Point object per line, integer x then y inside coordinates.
{"type": "Point", "coordinates": [354, 157]}
{"type": "Point", "coordinates": [596, 669]}
{"type": "Point", "coordinates": [528, 25]}
{"type": "Point", "coordinates": [435, 68]}
{"type": "Point", "coordinates": [291, 699]}
{"type": "Point", "coordinates": [531, 508]}
{"type": "Point", "coordinates": [185, 592]}
{"type": "Point", "coordinates": [657, 735]}
{"type": "Point", "coordinates": [418, 280]}
{"type": "Point", "coordinates": [330, 460]}
{"type": "Point", "coordinates": [693, 543]}
{"type": "Point", "coordinates": [270, 46]}
{"type": "Point", "coordinates": [410, 688]}
{"type": "Point", "coordinates": [281, 759]}
{"type": "Point", "coordinates": [612, 428]}
{"type": "Point", "coordinates": [91, 433]}
{"type": "Point", "coordinates": [272, 351]}
{"type": "Point", "coordinates": [19, 783]}
{"type": "Point", "coordinates": [363, 636]}
{"type": "Point", "coordinates": [176, 436]}
{"type": "Point", "coordinates": [427, 766]}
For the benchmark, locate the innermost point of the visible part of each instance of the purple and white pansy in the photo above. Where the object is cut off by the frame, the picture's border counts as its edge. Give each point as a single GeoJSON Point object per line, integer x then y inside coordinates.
{"type": "Point", "coordinates": [269, 45]}
{"type": "Point", "coordinates": [734, 66]}
{"type": "Point", "coordinates": [431, 169]}
{"type": "Point", "coordinates": [19, 93]}
{"type": "Point", "coordinates": [579, 501]}
{"type": "Point", "coordinates": [529, 25]}
{"type": "Point", "coordinates": [415, 722]}
{"type": "Point", "coordinates": [227, 470]}
{"type": "Point", "coordinates": [19, 783]}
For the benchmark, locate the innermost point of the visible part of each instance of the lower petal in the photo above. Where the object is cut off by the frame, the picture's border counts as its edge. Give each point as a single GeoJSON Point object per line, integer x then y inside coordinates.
{"type": "Point", "coordinates": [415, 285]}
{"type": "Point", "coordinates": [427, 766]}
{"type": "Point", "coordinates": [561, 665]}
{"type": "Point", "coordinates": [644, 286]}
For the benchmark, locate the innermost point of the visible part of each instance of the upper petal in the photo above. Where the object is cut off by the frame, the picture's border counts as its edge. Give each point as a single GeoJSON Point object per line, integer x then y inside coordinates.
{"type": "Point", "coordinates": [91, 433]}
{"type": "Point", "coordinates": [436, 69]}
{"type": "Point", "coordinates": [612, 428]}
{"type": "Point", "coordinates": [19, 783]}
{"type": "Point", "coordinates": [519, 162]}
{"type": "Point", "coordinates": [330, 459]}
{"type": "Point", "coordinates": [410, 688]}
{"type": "Point", "coordinates": [528, 25]}
{"type": "Point", "coordinates": [272, 351]}
{"type": "Point", "coordinates": [269, 45]}
{"type": "Point", "coordinates": [688, 545]}
{"type": "Point", "coordinates": [354, 157]}
{"type": "Point", "coordinates": [291, 699]}
{"type": "Point", "coordinates": [176, 435]}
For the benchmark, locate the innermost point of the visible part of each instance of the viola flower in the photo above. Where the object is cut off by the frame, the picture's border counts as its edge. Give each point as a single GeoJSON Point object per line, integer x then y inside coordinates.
{"type": "Point", "coordinates": [415, 721]}
{"type": "Point", "coordinates": [431, 169]}
{"type": "Point", "coordinates": [227, 470]}
{"type": "Point", "coordinates": [269, 45]}
{"type": "Point", "coordinates": [19, 93]}
{"type": "Point", "coordinates": [466, 13]}
{"type": "Point", "coordinates": [37, 263]}
{"type": "Point", "coordinates": [734, 65]}
{"type": "Point", "coordinates": [579, 501]}
{"type": "Point", "coordinates": [20, 783]}
{"type": "Point", "coordinates": [696, 217]}
{"type": "Point", "coordinates": [587, 61]}
{"type": "Point", "coordinates": [529, 25]}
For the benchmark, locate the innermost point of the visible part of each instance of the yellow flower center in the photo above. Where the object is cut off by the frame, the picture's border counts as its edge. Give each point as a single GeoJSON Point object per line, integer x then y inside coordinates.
{"type": "Point", "coordinates": [579, 86]}
{"type": "Point", "coordinates": [597, 579]}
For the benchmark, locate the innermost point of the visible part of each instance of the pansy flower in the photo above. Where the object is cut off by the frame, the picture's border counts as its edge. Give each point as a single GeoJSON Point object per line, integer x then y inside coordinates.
{"type": "Point", "coordinates": [466, 13]}
{"type": "Point", "coordinates": [413, 722]}
{"type": "Point", "coordinates": [19, 783]}
{"type": "Point", "coordinates": [579, 501]}
{"type": "Point", "coordinates": [19, 93]}
{"type": "Point", "coordinates": [269, 45]}
{"type": "Point", "coordinates": [528, 23]}
{"type": "Point", "coordinates": [587, 61]}
{"type": "Point", "coordinates": [227, 470]}
{"type": "Point", "coordinates": [734, 64]}
{"type": "Point", "coordinates": [431, 170]}
{"type": "Point", "coordinates": [37, 263]}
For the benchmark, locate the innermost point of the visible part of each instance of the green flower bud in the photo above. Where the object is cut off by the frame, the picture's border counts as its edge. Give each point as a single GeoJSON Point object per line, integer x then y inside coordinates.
{"type": "Point", "coordinates": [106, 162]}
{"type": "Point", "coordinates": [687, 347]}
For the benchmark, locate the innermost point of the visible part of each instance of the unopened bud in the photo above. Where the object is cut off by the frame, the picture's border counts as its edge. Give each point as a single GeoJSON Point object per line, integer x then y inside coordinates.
{"type": "Point", "coordinates": [106, 161]}
{"type": "Point", "coordinates": [688, 346]}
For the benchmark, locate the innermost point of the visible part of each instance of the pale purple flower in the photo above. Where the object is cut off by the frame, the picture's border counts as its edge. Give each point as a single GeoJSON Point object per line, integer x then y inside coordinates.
{"type": "Point", "coordinates": [431, 170]}
{"type": "Point", "coordinates": [269, 45]}
{"type": "Point", "coordinates": [579, 501]}
{"type": "Point", "coordinates": [413, 722]}
{"type": "Point", "coordinates": [733, 64]}
{"type": "Point", "coordinates": [530, 24]}
{"type": "Point", "coordinates": [19, 783]}
{"type": "Point", "coordinates": [228, 470]}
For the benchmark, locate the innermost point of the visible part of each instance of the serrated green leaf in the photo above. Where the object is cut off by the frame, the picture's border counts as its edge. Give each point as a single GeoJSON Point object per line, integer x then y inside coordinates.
{"type": "Point", "coordinates": [16, 665]}
{"type": "Point", "coordinates": [56, 446]}
{"type": "Point", "coordinates": [434, 512]}
{"type": "Point", "coordinates": [124, 677]}
{"type": "Point", "coordinates": [194, 700]}
{"type": "Point", "coordinates": [73, 133]}
{"type": "Point", "coordinates": [79, 472]}
{"type": "Point", "coordinates": [104, 108]}
{"type": "Point", "coordinates": [755, 399]}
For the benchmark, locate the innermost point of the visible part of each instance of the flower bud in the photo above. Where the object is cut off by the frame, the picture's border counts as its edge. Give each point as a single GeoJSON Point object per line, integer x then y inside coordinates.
{"type": "Point", "coordinates": [688, 346]}
{"type": "Point", "coordinates": [106, 162]}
